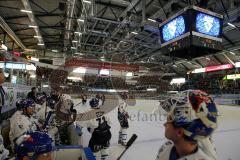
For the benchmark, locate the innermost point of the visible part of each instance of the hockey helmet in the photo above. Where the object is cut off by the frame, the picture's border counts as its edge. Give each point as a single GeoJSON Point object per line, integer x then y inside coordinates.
{"type": "Point", "coordinates": [40, 99]}
{"type": "Point", "coordinates": [65, 96]}
{"type": "Point", "coordinates": [193, 110]}
{"type": "Point", "coordinates": [33, 145]}
{"type": "Point", "coordinates": [19, 104]}
{"type": "Point", "coordinates": [51, 103]}
{"type": "Point", "coordinates": [94, 103]}
{"type": "Point", "coordinates": [28, 103]}
{"type": "Point", "coordinates": [124, 95]}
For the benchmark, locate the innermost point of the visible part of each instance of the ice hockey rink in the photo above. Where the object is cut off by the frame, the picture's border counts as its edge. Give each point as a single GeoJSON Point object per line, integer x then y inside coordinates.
{"type": "Point", "coordinates": [150, 132]}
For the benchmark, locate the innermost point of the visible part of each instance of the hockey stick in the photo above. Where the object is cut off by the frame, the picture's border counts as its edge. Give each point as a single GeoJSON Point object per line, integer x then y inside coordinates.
{"type": "Point", "coordinates": [77, 104]}
{"type": "Point", "coordinates": [129, 143]}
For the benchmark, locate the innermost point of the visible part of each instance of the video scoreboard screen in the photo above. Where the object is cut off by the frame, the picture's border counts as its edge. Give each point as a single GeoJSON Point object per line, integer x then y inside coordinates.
{"type": "Point", "coordinates": [173, 29]}
{"type": "Point", "coordinates": [191, 32]}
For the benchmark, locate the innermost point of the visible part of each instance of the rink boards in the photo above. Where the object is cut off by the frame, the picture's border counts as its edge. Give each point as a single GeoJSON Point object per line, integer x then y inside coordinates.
{"type": "Point", "coordinates": [74, 152]}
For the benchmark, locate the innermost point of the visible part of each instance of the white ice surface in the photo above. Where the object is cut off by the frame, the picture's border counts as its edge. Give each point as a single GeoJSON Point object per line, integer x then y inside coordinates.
{"type": "Point", "coordinates": [151, 132]}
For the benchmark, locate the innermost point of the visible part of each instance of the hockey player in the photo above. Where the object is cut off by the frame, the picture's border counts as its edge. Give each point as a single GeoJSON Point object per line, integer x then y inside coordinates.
{"type": "Point", "coordinates": [84, 99]}
{"type": "Point", "coordinates": [65, 106]}
{"type": "Point", "coordinates": [55, 95]}
{"type": "Point", "coordinates": [3, 152]}
{"type": "Point", "coordinates": [99, 98]}
{"type": "Point", "coordinates": [46, 116]}
{"type": "Point", "coordinates": [103, 99]}
{"type": "Point", "coordinates": [35, 146]}
{"type": "Point", "coordinates": [22, 121]}
{"type": "Point", "coordinates": [32, 94]}
{"type": "Point", "coordinates": [94, 103]}
{"type": "Point", "coordinates": [101, 134]}
{"type": "Point", "coordinates": [40, 106]}
{"type": "Point", "coordinates": [51, 102]}
{"type": "Point", "coordinates": [67, 103]}
{"type": "Point", "coordinates": [123, 120]}
{"type": "Point", "coordinates": [46, 105]}
{"type": "Point", "coordinates": [192, 118]}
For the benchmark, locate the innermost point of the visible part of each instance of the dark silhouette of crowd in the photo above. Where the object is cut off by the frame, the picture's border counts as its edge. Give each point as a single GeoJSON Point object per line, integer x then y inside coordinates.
{"type": "Point", "coordinates": [212, 83]}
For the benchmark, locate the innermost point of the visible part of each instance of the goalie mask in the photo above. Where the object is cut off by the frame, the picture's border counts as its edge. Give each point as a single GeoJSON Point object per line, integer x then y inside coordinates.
{"type": "Point", "coordinates": [193, 110]}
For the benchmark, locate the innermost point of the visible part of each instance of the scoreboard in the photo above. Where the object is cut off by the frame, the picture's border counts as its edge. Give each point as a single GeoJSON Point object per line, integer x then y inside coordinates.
{"type": "Point", "coordinates": [192, 32]}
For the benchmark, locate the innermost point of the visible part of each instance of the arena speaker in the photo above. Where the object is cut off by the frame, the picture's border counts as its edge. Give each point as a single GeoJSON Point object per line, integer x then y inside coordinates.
{"type": "Point", "coordinates": [192, 32]}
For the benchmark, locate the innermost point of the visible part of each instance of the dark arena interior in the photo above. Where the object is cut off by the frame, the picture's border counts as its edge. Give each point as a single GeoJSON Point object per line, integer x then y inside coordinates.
{"type": "Point", "coordinates": [119, 79]}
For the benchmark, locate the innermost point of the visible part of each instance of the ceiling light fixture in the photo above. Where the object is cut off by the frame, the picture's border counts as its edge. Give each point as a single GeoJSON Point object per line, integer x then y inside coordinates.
{"type": "Point", "coordinates": [25, 11]}
{"type": "Point", "coordinates": [80, 20]}
{"type": "Point", "coordinates": [151, 20]}
{"type": "Point", "coordinates": [232, 25]}
{"type": "Point", "coordinates": [32, 26]}
{"type": "Point", "coordinates": [102, 58]}
{"type": "Point", "coordinates": [54, 50]}
{"type": "Point", "coordinates": [35, 59]}
{"type": "Point", "coordinates": [40, 44]}
{"type": "Point", "coordinates": [85, 1]}
{"type": "Point", "coordinates": [80, 33]}
{"type": "Point", "coordinates": [37, 36]}
{"type": "Point", "coordinates": [134, 32]}
{"type": "Point", "coordinates": [81, 54]}
{"type": "Point", "coordinates": [32, 76]}
{"type": "Point", "coordinates": [79, 70]}
{"type": "Point", "coordinates": [74, 41]}
{"type": "Point", "coordinates": [232, 53]}
{"type": "Point", "coordinates": [73, 47]}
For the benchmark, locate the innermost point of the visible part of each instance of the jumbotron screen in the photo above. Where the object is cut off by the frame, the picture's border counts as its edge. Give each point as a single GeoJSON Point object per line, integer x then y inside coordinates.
{"type": "Point", "coordinates": [207, 24]}
{"type": "Point", "coordinates": [192, 32]}
{"type": "Point", "coordinates": [173, 29]}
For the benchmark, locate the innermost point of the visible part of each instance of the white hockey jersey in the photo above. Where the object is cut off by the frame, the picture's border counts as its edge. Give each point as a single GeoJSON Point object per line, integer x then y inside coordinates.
{"type": "Point", "coordinates": [208, 147]}
{"type": "Point", "coordinates": [164, 153]}
{"type": "Point", "coordinates": [19, 124]}
{"type": "Point", "coordinates": [122, 107]}
{"type": "Point", "coordinates": [40, 115]}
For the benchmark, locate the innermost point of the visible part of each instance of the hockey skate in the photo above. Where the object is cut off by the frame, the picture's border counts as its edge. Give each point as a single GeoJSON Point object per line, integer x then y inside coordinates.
{"type": "Point", "coordinates": [122, 143]}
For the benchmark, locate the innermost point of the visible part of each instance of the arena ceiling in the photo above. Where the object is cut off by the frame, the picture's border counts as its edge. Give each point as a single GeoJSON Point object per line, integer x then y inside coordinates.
{"type": "Point", "coordinates": [109, 28]}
